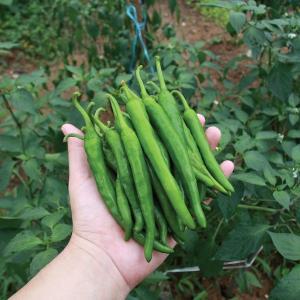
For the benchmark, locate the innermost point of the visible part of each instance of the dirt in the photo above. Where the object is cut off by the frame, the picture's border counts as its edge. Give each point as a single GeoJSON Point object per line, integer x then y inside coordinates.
{"type": "Point", "coordinates": [194, 27]}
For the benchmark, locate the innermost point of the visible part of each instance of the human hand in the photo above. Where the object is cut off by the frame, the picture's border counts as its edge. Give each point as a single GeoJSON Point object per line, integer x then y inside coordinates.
{"type": "Point", "coordinates": [95, 230]}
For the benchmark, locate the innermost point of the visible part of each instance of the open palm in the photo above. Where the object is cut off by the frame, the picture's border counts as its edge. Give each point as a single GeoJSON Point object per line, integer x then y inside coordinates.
{"type": "Point", "coordinates": [93, 223]}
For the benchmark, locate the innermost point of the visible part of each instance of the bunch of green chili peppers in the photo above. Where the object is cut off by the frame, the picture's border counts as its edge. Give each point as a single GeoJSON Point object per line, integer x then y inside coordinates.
{"type": "Point", "coordinates": [152, 167]}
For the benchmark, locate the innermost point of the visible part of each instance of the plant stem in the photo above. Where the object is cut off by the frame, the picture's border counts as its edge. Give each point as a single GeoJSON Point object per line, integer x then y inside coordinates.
{"type": "Point", "coordinates": [18, 124]}
{"type": "Point", "coordinates": [253, 207]}
{"type": "Point", "coordinates": [27, 186]}
{"type": "Point", "coordinates": [217, 229]}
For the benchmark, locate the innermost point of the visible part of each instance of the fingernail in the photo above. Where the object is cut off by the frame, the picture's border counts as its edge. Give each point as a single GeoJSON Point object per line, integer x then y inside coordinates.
{"type": "Point", "coordinates": [202, 119]}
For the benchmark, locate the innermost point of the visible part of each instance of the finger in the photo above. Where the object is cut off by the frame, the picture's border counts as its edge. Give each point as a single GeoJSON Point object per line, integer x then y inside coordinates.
{"type": "Point", "coordinates": [202, 119]}
{"type": "Point", "coordinates": [227, 167]}
{"type": "Point", "coordinates": [213, 135]}
{"type": "Point", "coordinates": [78, 165]}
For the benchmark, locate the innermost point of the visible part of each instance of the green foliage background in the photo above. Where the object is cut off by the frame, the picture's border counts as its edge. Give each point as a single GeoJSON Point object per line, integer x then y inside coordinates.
{"type": "Point", "coordinates": [259, 119]}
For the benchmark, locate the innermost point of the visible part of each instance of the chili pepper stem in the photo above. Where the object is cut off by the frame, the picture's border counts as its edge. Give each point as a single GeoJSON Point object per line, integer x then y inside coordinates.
{"type": "Point", "coordinates": [154, 85]}
{"type": "Point", "coordinates": [160, 74]}
{"type": "Point", "coordinates": [182, 99]}
{"type": "Point", "coordinates": [84, 114]}
{"type": "Point", "coordinates": [116, 109]}
{"type": "Point", "coordinates": [128, 92]}
{"type": "Point", "coordinates": [76, 135]}
{"type": "Point", "coordinates": [90, 107]}
{"type": "Point", "coordinates": [98, 123]}
{"type": "Point", "coordinates": [140, 81]}
{"type": "Point", "coordinates": [260, 208]}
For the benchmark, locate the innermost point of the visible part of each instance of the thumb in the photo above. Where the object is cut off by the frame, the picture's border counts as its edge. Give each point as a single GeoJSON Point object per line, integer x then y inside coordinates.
{"type": "Point", "coordinates": [78, 166]}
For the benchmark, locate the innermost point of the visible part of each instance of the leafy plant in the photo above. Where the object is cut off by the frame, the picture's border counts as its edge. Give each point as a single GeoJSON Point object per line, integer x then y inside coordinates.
{"type": "Point", "coordinates": [258, 117]}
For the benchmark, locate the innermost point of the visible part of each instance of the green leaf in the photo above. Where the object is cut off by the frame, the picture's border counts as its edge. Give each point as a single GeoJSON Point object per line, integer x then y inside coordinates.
{"type": "Point", "coordinates": [296, 153]}
{"type": "Point", "coordinates": [106, 72]}
{"type": "Point", "coordinates": [42, 259]}
{"type": "Point", "coordinates": [65, 85]}
{"type": "Point", "coordinates": [287, 244]}
{"type": "Point", "coordinates": [237, 20]}
{"type": "Point", "coordinates": [220, 4]}
{"type": "Point", "coordinates": [251, 178]}
{"type": "Point", "coordinates": [22, 100]}
{"type": "Point", "coordinates": [32, 169]}
{"type": "Point", "coordinates": [246, 280]}
{"type": "Point", "coordinates": [294, 100]}
{"type": "Point", "coordinates": [6, 2]}
{"type": "Point", "coordinates": [6, 83]}
{"type": "Point", "coordinates": [59, 158]}
{"type": "Point", "coordinates": [241, 242]}
{"type": "Point", "coordinates": [244, 142]}
{"type": "Point", "coordinates": [269, 175]}
{"type": "Point", "coordinates": [122, 76]}
{"type": "Point", "coordinates": [53, 218]}
{"type": "Point", "coordinates": [255, 160]}
{"type": "Point", "coordinates": [172, 5]}
{"type": "Point", "coordinates": [241, 115]}
{"type": "Point", "coordinates": [75, 70]}
{"type": "Point", "coordinates": [61, 232]}
{"type": "Point", "coordinates": [283, 198]}
{"type": "Point", "coordinates": [228, 204]}
{"type": "Point", "coordinates": [288, 287]}
{"type": "Point", "coordinates": [10, 222]}
{"type": "Point", "coordinates": [143, 292]}
{"type": "Point", "coordinates": [155, 277]}
{"type": "Point", "coordinates": [8, 45]}
{"type": "Point", "coordinates": [10, 144]}
{"type": "Point", "coordinates": [287, 146]}
{"type": "Point", "coordinates": [266, 135]}
{"type": "Point", "coordinates": [35, 78]}
{"type": "Point", "coordinates": [270, 111]}
{"type": "Point", "coordinates": [33, 213]}
{"type": "Point", "coordinates": [209, 266]}
{"type": "Point", "coordinates": [94, 84]}
{"type": "Point", "coordinates": [280, 81]}
{"type": "Point", "coordinates": [294, 134]}
{"type": "Point", "coordinates": [254, 39]}
{"type": "Point", "coordinates": [276, 158]}
{"type": "Point", "coordinates": [6, 171]}
{"type": "Point", "coordinates": [100, 99]}
{"type": "Point", "coordinates": [93, 29]}
{"type": "Point", "coordinates": [24, 240]}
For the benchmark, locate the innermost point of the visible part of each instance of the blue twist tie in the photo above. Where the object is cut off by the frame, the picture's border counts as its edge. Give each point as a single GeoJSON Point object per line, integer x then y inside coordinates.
{"type": "Point", "coordinates": [138, 27]}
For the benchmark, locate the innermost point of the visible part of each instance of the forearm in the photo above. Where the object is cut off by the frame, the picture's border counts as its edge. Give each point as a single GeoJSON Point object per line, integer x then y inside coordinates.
{"type": "Point", "coordinates": [80, 271]}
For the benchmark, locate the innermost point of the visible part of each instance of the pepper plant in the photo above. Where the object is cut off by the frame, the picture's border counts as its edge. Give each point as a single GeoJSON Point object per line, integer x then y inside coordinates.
{"type": "Point", "coordinates": [259, 120]}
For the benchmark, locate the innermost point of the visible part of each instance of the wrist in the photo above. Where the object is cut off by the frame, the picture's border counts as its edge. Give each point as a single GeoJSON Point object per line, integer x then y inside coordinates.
{"type": "Point", "coordinates": [98, 267]}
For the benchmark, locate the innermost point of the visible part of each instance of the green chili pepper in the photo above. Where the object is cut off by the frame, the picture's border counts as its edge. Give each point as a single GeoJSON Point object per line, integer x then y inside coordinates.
{"type": "Point", "coordinates": [138, 104]}
{"type": "Point", "coordinates": [202, 188]}
{"type": "Point", "coordinates": [197, 131]}
{"type": "Point", "coordinates": [162, 225]}
{"type": "Point", "coordinates": [146, 136]}
{"type": "Point", "coordinates": [168, 103]}
{"type": "Point", "coordinates": [123, 169]}
{"type": "Point", "coordinates": [140, 174]}
{"type": "Point", "coordinates": [176, 149]}
{"type": "Point", "coordinates": [167, 209]}
{"type": "Point", "coordinates": [140, 238]}
{"type": "Point", "coordinates": [124, 209]}
{"type": "Point", "coordinates": [95, 157]}
{"type": "Point", "coordinates": [199, 167]}
{"type": "Point", "coordinates": [109, 158]}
